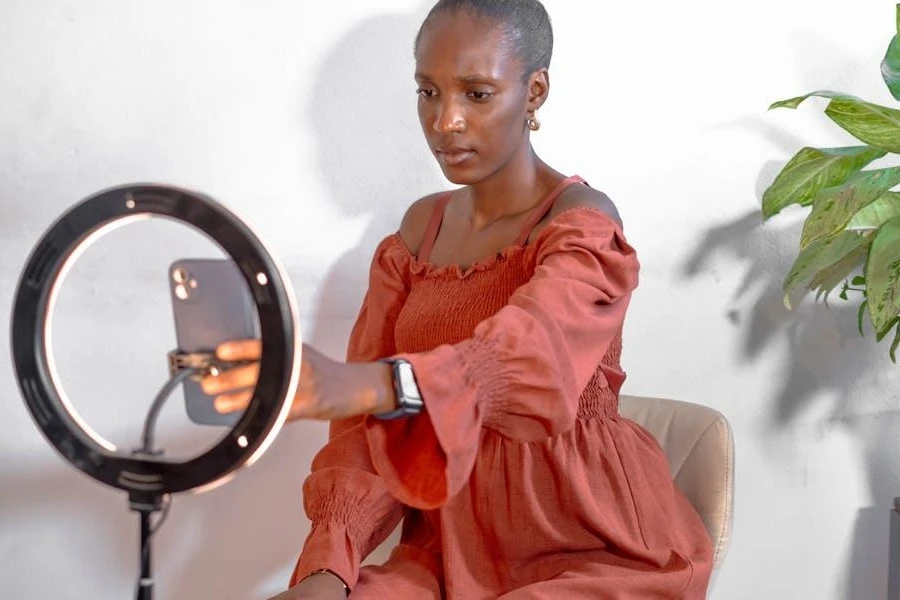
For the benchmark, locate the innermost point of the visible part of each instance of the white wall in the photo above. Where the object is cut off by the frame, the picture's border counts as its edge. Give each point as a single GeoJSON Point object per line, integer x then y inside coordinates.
{"type": "Point", "coordinates": [302, 119]}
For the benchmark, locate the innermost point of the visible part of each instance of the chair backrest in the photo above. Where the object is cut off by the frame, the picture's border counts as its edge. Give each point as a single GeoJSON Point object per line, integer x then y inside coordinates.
{"type": "Point", "coordinates": [699, 445]}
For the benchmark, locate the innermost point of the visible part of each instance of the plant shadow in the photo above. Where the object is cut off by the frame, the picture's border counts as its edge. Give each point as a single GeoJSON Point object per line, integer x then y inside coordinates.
{"type": "Point", "coordinates": [825, 357]}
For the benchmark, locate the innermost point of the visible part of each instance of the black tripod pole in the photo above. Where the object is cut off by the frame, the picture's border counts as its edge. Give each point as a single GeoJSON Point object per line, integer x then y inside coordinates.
{"type": "Point", "coordinates": [145, 583]}
{"type": "Point", "coordinates": [147, 503]}
{"type": "Point", "coordinates": [145, 506]}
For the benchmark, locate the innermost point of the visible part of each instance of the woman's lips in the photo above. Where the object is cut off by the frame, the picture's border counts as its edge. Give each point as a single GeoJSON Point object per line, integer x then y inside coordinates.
{"type": "Point", "coordinates": [453, 157]}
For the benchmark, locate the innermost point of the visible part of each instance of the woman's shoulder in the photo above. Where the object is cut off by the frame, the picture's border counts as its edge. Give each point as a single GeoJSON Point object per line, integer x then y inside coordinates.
{"type": "Point", "coordinates": [584, 196]}
{"type": "Point", "coordinates": [581, 202]}
{"type": "Point", "coordinates": [415, 222]}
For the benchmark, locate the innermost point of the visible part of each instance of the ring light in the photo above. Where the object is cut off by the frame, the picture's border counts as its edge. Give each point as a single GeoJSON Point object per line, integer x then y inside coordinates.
{"type": "Point", "coordinates": [148, 479]}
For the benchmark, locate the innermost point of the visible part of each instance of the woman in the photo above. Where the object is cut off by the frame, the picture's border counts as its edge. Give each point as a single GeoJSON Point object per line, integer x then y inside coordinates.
{"type": "Point", "coordinates": [479, 402]}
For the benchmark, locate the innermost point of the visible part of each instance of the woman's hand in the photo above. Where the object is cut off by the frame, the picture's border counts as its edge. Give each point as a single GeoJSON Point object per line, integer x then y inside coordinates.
{"type": "Point", "coordinates": [320, 586]}
{"type": "Point", "coordinates": [327, 389]}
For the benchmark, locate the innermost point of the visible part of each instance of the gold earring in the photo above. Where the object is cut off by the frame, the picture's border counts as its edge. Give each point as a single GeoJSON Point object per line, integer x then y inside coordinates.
{"type": "Point", "coordinates": [533, 123]}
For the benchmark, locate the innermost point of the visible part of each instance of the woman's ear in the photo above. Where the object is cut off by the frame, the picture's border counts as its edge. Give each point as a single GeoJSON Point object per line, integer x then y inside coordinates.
{"type": "Point", "coordinates": [538, 89]}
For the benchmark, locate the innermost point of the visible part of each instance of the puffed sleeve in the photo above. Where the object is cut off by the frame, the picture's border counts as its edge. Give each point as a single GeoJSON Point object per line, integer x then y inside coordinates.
{"type": "Point", "coordinates": [351, 508]}
{"type": "Point", "coordinates": [522, 372]}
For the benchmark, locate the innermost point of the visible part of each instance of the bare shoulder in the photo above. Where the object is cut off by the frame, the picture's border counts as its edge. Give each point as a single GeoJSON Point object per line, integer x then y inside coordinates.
{"type": "Point", "coordinates": [577, 196]}
{"type": "Point", "coordinates": [415, 221]}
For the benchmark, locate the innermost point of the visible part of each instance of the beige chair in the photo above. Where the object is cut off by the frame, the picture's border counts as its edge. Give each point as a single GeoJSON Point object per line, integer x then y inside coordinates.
{"type": "Point", "coordinates": [699, 444]}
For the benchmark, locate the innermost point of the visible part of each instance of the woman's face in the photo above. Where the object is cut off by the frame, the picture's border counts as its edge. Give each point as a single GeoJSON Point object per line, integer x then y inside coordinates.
{"type": "Point", "coordinates": [473, 98]}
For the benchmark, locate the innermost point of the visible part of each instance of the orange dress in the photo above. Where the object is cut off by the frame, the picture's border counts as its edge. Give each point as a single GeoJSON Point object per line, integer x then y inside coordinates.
{"type": "Point", "coordinates": [520, 480]}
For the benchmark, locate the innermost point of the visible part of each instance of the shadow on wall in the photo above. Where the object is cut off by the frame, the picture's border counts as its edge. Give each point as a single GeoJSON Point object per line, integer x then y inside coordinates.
{"type": "Point", "coordinates": [202, 534]}
{"type": "Point", "coordinates": [371, 153]}
{"type": "Point", "coordinates": [374, 161]}
{"type": "Point", "coordinates": [826, 355]}
{"type": "Point", "coordinates": [372, 158]}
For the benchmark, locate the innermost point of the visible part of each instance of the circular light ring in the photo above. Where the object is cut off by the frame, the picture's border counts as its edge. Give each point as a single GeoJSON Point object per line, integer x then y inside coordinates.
{"type": "Point", "coordinates": [33, 305]}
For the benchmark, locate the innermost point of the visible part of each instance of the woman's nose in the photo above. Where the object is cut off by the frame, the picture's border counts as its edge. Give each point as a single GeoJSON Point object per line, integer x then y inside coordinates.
{"type": "Point", "coordinates": [449, 118]}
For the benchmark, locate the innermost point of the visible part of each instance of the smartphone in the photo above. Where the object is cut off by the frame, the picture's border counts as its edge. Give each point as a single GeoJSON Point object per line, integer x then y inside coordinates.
{"type": "Point", "coordinates": [211, 304]}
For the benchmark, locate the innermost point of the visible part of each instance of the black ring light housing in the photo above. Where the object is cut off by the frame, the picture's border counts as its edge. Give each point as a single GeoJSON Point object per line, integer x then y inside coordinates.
{"type": "Point", "coordinates": [140, 476]}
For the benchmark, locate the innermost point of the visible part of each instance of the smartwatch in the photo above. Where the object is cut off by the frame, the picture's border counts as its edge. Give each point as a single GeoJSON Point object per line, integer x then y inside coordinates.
{"type": "Point", "coordinates": [409, 400]}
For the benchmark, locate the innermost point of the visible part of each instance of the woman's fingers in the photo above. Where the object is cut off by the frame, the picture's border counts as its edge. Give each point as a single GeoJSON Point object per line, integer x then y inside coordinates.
{"type": "Point", "coordinates": [233, 379]}
{"type": "Point", "coordinates": [229, 403]}
{"type": "Point", "coordinates": [240, 350]}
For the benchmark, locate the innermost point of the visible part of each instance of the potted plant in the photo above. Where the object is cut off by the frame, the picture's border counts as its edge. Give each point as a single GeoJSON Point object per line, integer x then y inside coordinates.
{"type": "Point", "coordinates": [851, 236]}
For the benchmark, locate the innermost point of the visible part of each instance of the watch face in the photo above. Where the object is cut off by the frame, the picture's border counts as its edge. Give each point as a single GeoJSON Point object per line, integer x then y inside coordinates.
{"type": "Point", "coordinates": [407, 380]}
{"type": "Point", "coordinates": [409, 400]}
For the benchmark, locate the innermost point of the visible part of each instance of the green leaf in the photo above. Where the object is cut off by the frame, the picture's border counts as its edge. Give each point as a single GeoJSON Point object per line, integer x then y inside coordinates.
{"type": "Point", "coordinates": [811, 170]}
{"type": "Point", "coordinates": [825, 280]}
{"type": "Point", "coordinates": [877, 213]}
{"type": "Point", "coordinates": [859, 280]}
{"type": "Point", "coordinates": [875, 125]}
{"type": "Point", "coordinates": [861, 315]}
{"type": "Point", "coordinates": [834, 207]}
{"type": "Point", "coordinates": [824, 260]}
{"type": "Point", "coordinates": [887, 329]}
{"type": "Point", "coordinates": [895, 344]}
{"type": "Point", "coordinates": [890, 68]}
{"type": "Point", "coordinates": [883, 276]}
{"type": "Point", "coordinates": [795, 102]}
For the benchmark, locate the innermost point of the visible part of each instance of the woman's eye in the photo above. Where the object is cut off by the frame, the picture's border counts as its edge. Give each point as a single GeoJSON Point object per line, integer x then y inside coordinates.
{"type": "Point", "coordinates": [425, 92]}
{"type": "Point", "coordinates": [479, 95]}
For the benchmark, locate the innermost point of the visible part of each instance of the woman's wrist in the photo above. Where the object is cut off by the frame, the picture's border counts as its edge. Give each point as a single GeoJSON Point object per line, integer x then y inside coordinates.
{"type": "Point", "coordinates": [330, 576]}
{"type": "Point", "coordinates": [381, 386]}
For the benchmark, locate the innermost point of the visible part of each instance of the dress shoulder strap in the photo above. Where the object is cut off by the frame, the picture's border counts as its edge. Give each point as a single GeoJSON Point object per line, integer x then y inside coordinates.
{"type": "Point", "coordinates": [544, 207]}
{"type": "Point", "coordinates": [434, 226]}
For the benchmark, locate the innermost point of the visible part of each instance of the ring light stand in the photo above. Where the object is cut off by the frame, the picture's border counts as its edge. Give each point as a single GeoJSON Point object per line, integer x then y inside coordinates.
{"type": "Point", "coordinates": [144, 476]}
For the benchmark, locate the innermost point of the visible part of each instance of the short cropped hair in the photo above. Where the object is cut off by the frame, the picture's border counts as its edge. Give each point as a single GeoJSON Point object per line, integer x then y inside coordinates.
{"type": "Point", "coordinates": [527, 26]}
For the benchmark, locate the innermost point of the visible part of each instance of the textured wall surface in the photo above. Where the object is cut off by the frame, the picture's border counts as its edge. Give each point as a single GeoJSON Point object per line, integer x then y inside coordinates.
{"type": "Point", "coordinates": [300, 116]}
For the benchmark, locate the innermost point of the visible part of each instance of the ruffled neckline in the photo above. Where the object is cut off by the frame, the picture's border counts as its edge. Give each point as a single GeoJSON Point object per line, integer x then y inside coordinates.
{"type": "Point", "coordinates": [427, 269]}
